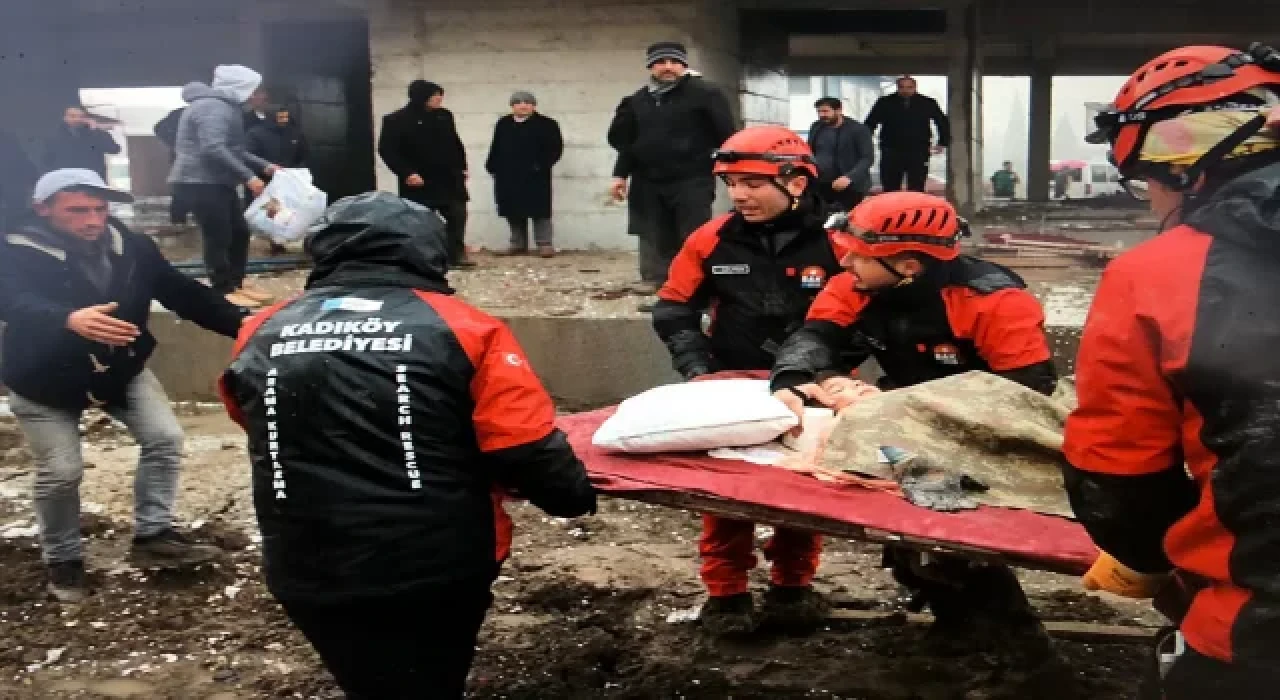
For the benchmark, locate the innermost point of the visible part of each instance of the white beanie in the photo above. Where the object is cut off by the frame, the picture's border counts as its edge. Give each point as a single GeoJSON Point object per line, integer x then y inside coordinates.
{"type": "Point", "coordinates": [237, 81]}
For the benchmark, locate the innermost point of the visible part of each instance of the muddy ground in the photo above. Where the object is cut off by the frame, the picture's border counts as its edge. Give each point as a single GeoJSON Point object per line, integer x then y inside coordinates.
{"type": "Point", "coordinates": [582, 611]}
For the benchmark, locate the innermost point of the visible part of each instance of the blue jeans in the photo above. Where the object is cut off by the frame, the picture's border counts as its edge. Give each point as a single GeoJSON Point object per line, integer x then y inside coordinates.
{"type": "Point", "coordinates": [53, 435]}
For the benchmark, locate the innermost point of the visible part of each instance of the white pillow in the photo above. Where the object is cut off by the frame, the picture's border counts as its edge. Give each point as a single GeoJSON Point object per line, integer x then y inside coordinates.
{"type": "Point", "coordinates": [696, 416]}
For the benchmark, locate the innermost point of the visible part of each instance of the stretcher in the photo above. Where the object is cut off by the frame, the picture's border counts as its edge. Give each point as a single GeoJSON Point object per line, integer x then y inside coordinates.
{"type": "Point", "coordinates": [775, 496]}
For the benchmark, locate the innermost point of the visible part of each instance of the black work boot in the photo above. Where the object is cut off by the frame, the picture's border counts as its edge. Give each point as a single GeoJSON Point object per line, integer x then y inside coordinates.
{"type": "Point", "coordinates": [169, 548]}
{"type": "Point", "coordinates": [794, 609]}
{"type": "Point", "coordinates": [67, 582]}
{"type": "Point", "coordinates": [730, 615]}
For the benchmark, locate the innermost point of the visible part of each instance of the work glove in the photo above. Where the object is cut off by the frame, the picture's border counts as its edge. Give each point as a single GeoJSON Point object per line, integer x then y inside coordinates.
{"type": "Point", "coordinates": [1108, 574]}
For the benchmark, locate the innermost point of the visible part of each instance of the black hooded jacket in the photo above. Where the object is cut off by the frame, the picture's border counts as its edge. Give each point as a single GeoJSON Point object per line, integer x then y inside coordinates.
{"type": "Point", "coordinates": [419, 141]}
{"type": "Point", "coordinates": [382, 414]}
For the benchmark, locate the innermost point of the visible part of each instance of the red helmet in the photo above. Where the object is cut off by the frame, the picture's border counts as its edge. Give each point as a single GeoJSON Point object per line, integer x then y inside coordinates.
{"type": "Point", "coordinates": [897, 222]}
{"type": "Point", "coordinates": [765, 150]}
{"type": "Point", "coordinates": [1192, 78]}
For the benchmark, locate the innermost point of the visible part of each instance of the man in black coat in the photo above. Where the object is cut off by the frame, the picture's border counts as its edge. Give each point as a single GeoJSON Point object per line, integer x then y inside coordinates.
{"type": "Point", "coordinates": [420, 144]}
{"type": "Point", "coordinates": [79, 143]}
{"type": "Point", "coordinates": [665, 134]}
{"type": "Point", "coordinates": [844, 153]}
{"type": "Point", "coordinates": [278, 140]}
{"type": "Point", "coordinates": [526, 145]}
{"type": "Point", "coordinates": [80, 288]}
{"type": "Point", "coordinates": [905, 137]}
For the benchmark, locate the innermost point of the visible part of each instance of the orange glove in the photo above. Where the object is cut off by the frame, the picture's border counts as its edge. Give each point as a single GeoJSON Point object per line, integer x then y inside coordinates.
{"type": "Point", "coordinates": [1109, 575]}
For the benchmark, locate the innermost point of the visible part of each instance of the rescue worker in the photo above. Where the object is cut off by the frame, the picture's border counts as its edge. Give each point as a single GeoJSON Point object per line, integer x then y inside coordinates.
{"type": "Point", "coordinates": [759, 267]}
{"type": "Point", "coordinates": [926, 312]}
{"type": "Point", "coordinates": [382, 413]}
{"type": "Point", "coordinates": [1173, 448]}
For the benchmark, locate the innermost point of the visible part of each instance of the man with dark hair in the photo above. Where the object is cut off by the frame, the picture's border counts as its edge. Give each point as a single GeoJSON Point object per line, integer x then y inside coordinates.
{"type": "Point", "coordinates": [80, 143]}
{"type": "Point", "coordinates": [420, 144]}
{"type": "Point", "coordinates": [279, 140]}
{"type": "Point", "coordinates": [925, 312]}
{"type": "Point", "coordinates": [81, 287]}
{"type": "Point", "coordinates": [844, 152]}
{"type": "Point", "coordinates": [903, 119]}
{"type": "Point", "coordinates": [664, 134]}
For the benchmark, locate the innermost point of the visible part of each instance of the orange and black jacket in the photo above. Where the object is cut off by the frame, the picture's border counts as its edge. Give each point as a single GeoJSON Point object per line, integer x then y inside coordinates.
{"type": "Point", "coordinates": [383, 413]}
{"type": "Point", "coordinates": [1174, 450]}
{"type": "Point", "coordinates": [963, 315]}
{"type": "Point", "coordinates": [758, 281]}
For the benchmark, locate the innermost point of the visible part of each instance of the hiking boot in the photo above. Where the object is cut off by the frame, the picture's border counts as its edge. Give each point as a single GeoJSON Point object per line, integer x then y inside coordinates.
{"type": "Point", "coordinates": [242, 301]}
{"type": "Point", "coordinates": [546, 251]}
{"type": "Point", "coordinates": [67, 582]}
{"type": "Point", "coordinates": [725, 616]}
{"type": "Point", "coordinates": [796, 609]}
{"type": "Point", "coordinates": [170, 548]}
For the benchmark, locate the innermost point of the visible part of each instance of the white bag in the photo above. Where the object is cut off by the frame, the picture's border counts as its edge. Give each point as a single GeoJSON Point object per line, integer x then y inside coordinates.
{"type": "Point", "coordinates": [289, 205]}
{"type": "Point", "coordinates": [696, 416]}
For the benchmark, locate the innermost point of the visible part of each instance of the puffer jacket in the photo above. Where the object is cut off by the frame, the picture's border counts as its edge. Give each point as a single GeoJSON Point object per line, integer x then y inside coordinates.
{"type": "Point", "coordinates": [210, 146]}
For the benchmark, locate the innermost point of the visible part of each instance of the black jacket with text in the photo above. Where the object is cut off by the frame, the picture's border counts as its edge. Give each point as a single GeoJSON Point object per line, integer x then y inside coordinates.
{"type": "Point", "coordinates": [386, 418]}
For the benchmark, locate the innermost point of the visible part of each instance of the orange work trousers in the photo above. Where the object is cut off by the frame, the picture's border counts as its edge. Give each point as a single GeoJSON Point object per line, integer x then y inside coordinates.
{"type": "Point", "coordinates": [727, 548]}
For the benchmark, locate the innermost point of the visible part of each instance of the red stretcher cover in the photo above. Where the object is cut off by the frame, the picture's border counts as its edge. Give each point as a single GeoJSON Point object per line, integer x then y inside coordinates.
{"type": "Point", "coordinates": [1058, 543]}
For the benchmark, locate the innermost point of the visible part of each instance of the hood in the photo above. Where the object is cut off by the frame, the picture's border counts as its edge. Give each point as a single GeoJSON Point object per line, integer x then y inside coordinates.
{"type": "Point", "coordinates": [237, 81]}
{"type": "Point", "coordinates": [378, 239]}
{"type": "Point", "coordinates": [1244, 210]}
{"type": "Point", "coordinates": [200, 91]}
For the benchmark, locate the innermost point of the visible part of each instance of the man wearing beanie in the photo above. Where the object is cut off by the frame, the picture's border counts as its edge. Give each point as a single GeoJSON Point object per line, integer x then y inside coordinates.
{"type": "Point", "coordinates": [665, 134]}
{"type": "Point", "coordinates": [210, 161]}
{"type": "Point", "coordinates": [526, 145]}
{"type": "Point", "coordinates": [420, 144]}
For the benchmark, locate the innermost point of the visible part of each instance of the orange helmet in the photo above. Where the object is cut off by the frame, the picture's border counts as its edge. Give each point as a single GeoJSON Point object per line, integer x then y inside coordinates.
{"type": "Point", "coordinates": [1189, 79]}
{"type": "Point", "coordinates": [897, 222]}
{"type": "Point", "coordinates": [765, 150]}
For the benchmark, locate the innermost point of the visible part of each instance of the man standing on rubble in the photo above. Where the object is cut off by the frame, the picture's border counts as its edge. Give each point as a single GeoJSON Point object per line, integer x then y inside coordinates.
{"type": "Point", "coordinates": [1172, 450]}
{"type": "Point", "coordinates": [210, 161]}
{"type": "Point", "coordinates": [759, 267]}
{"type": "Point", "coordinates": [420, 144]}
{"type": "Point", "coordinates": [664, 135]}
{"type": "Point", "coordinates": [905, 139]}
{"type": "Point", "coordinates": [81, 287]}
{"type": "Point", "coordinates": [844, 152]}
{"type": "Point", "coordinates": [927, 312]}
{"type": "Point", "coordinates": [384, 418]}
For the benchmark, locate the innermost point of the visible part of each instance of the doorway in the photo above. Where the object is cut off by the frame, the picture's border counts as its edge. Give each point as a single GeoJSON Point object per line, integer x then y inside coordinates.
{"type": "Point", "coordinates": [322, 72]}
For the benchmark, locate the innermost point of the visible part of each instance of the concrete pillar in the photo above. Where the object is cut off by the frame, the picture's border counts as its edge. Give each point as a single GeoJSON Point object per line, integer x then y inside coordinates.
{"type": "Point", "coordinates": [964, 108]}
{"type": "Point", "coordinates": [579, 57]}
{"type": "Point", "coordinates": [765, 92]}
{"type": "Point", "coordinates": [1041, 122]}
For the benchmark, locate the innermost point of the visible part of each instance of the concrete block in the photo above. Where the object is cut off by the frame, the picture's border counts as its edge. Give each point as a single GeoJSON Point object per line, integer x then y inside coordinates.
{"type": "Point", "coordinates": [633, 37]}
{"type": "Point", "coordinates": [588, 363]}
{"type": "Point", "coordinates": [565, 16]}
{"type": "Point", "coordinates": [514, 68]}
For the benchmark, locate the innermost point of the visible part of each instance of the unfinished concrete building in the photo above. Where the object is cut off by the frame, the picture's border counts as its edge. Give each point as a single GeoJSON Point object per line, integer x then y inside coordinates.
{"type": "Point", "coordinates": [347, 62]}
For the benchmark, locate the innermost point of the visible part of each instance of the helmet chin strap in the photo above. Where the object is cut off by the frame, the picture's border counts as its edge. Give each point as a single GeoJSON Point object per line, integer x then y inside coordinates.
{"type": "Point", "coordinates": [901, 278]}
{"type": "Point", "coordinates": [795, 201]}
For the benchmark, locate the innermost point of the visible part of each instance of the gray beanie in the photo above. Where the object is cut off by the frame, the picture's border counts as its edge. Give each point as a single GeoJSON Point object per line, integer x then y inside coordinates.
{"type": "Point", "coordinates": [523, 96]}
